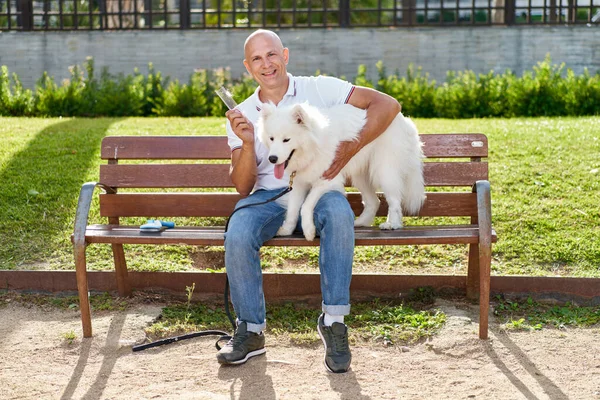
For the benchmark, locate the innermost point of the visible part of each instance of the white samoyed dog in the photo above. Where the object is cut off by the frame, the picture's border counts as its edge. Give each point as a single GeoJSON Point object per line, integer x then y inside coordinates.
{"type": "Point", "coordinates": [304, 139]}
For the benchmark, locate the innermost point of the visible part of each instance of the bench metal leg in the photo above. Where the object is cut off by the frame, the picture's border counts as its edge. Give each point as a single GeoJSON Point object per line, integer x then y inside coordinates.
{"type": "Point", "coordinates": [82, 288]}
{"type": "Point", "coordinates": [123, 286]}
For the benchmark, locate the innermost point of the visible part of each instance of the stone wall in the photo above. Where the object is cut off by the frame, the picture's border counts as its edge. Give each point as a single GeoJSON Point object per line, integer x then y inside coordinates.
{"type": "Point", "coordinates": [335, 52]}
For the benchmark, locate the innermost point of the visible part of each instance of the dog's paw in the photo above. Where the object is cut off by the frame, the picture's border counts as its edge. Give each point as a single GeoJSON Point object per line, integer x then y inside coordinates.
{"type": "Point", "coordinates": [388, 226]}
{"type": "Point", "coordinates": [363, 222]}
{"type": "Point", "coordinates": [309, 230]}
{"type": "Point", "coordinates": [285, 230]}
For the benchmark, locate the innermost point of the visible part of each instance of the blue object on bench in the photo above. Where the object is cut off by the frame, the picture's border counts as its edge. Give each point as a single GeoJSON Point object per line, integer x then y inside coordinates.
{"type": "Point", "coordinates": [156, 225]}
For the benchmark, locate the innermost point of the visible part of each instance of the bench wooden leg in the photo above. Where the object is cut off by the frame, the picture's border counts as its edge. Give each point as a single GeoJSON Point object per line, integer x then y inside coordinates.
{"type": "Point", "coordinates": [473, 273]}
{"type": "Point", "coordinates": [484, 219]}
{"type": "Point", "coordinates": [82, 288]}
{"type": "Point", "coordinates": [123, 286]}
{"type": "Point", "coordinates": [485, 260]}
{"type": "Point", "coordinates": [478, 283]}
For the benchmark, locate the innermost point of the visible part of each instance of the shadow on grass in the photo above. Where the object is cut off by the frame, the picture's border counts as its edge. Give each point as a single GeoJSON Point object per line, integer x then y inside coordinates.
{"type": "Point", "coordinates": [40, 188]}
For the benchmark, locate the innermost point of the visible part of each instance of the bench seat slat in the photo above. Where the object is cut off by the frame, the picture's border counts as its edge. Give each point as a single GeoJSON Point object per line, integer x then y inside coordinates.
{"type": "Point", "coordinates": [153, 205]}
{"type": "Point", "coordinates": [213, 236]}
{"type": "Point", "coordinates": [217, 175]}
{"type": "Point", "coordinates": [215, 147]}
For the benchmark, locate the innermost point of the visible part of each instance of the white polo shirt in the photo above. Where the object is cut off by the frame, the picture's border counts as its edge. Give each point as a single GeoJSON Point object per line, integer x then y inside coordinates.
{"type": "Point", "coordinates": [319, 91]}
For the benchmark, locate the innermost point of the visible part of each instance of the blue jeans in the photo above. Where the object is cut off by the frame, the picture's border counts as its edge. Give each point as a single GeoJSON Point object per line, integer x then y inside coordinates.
{"type": "Point", "coordinates": [251, 227]}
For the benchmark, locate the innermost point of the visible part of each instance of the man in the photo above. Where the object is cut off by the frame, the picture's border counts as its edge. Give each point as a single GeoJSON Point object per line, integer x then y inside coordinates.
{"type": "Point", "coordinates": [266, 59]}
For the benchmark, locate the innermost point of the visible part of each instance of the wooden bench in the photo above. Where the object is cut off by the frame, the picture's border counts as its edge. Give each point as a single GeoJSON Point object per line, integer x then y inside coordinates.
{"type": "Point", "coordinates": [455, 160]}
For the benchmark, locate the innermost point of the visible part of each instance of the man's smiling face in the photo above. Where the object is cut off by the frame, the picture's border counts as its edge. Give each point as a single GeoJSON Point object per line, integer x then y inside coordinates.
{"type": "Point", "coordinates": [266, 61]}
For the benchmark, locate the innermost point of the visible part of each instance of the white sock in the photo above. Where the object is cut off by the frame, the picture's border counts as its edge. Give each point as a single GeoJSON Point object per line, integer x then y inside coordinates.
{"type": "Point", "coordinates": [330, 319]}
{"type": "Point", "coordinates": [237, 322]}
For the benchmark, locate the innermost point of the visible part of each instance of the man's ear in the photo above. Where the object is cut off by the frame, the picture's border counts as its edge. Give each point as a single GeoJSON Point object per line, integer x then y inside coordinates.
{"type": "Point", "coordinates": [286, 55]}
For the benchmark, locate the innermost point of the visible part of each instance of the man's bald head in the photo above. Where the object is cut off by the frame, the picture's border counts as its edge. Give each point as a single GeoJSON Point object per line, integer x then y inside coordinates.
{"type": "Point", "coordinates": [262, 35]}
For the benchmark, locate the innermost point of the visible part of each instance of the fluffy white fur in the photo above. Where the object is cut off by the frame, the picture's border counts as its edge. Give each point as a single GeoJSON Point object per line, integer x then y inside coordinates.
{"type": "Point", "coordinates": [304, 139]}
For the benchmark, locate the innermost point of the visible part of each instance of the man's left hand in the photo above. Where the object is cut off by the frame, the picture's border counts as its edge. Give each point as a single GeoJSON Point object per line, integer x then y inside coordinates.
{"type": "Point", "coordinates": [345, 151]}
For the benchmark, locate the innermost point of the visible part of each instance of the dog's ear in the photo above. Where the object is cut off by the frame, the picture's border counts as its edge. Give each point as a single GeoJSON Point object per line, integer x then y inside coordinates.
{"type": "Point", "coordinates": [300, 114]}
{"type": "Point", "coordinates": [267, 109]}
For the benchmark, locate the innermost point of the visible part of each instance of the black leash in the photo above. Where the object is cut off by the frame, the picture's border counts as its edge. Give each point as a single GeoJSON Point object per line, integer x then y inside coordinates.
{"type": "Point", "coordinates": [224, 335]}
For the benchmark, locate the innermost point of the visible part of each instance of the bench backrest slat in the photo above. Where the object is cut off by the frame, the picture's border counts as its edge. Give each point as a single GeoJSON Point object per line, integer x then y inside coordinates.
{"type": "Point", "coordinates": [165, 147]}
{"type": "Point", "coordinates": [221, 204]}
{"type": "Point", "coordinates": [455, 145]}
{"type": "Point", "coordinates": [217, 175]}
{"type": "Point", "coordinates": [215, 147]}
{"type": "Point", "coordinates": [166, 175]}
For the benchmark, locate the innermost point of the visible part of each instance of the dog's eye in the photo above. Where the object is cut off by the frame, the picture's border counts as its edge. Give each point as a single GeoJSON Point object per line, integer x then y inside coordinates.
{"type": "Point", "coordinates": [271, 139]}
{"type": "Point", "coordinates": [286, 140]}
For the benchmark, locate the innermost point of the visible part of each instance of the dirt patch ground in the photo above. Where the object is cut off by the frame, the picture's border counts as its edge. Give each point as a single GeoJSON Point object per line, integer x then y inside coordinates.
{"type": "Point", "coordinates": [37, 362]}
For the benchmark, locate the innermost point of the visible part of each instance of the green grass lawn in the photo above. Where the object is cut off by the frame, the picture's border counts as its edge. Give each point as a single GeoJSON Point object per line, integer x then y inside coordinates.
{"type": "Point", "coordinates": [544, 175]}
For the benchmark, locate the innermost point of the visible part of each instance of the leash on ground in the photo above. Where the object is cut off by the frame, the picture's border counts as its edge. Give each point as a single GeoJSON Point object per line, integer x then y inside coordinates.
{"type": "Point", "coordinates": [224, 335]}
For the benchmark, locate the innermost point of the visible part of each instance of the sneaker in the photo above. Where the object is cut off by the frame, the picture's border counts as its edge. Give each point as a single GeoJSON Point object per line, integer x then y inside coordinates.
{"type": "Point", "coordinates": [243, 345]}
{"type": "Point", "coordinates": [337, 351]}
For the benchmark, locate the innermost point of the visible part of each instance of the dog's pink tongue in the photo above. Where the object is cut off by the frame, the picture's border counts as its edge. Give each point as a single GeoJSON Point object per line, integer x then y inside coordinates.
{"type": "Point", "coordinates": [279, 168]}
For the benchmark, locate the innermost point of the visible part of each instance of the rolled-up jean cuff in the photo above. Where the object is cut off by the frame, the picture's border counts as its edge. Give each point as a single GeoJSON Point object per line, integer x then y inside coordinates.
{"type": "Point", "coordinates": [256, 328]}
{"type": "Point", "coordinates": [336, 310]}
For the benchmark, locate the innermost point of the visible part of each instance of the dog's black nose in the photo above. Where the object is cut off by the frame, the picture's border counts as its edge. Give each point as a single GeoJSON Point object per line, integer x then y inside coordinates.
{"type": "Point", "coordinates": [273, 159]}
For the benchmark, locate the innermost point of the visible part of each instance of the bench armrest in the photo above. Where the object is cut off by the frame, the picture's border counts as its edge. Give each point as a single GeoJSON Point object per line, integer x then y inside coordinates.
{"type": "Point", "coordinates": [83, 210]}
{"type": "Point", "coordinates": [484, 211]}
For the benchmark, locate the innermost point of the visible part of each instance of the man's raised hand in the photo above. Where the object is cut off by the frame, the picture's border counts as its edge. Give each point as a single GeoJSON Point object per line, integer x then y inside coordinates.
{"type": "Point", "coordinates": [240, 125]}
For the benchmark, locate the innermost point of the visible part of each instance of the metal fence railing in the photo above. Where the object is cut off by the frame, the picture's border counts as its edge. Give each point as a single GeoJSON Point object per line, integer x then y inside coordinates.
{"type": "Point", "coordinates": [44, 15]}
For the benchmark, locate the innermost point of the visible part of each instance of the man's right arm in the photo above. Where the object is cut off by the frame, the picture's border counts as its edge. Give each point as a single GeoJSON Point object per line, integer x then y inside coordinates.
{"type": "Point", "coordinates": [243, 169]}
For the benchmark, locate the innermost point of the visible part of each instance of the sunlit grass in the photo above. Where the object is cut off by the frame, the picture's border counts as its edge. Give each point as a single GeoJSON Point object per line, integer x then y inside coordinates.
{"type": "Point", "coordinates": [531, 315]}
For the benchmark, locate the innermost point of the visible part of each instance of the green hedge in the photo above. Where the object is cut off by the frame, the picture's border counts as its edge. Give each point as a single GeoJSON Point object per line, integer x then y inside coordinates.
{"type": "Point", "coordinates": [548, 90]}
